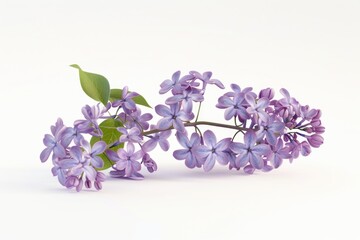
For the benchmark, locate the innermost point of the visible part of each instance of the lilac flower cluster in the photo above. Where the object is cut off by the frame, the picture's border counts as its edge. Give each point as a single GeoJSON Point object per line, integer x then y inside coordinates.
{"type": "Point", "coordinates": [273, 130]}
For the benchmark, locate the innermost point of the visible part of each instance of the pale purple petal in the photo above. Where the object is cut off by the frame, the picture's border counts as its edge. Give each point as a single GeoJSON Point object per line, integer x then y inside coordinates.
{"type": "Point", "coordinates": [242, 160]}
{"type": "Point", "coordinates": [130, 148]}
{"type": "Point", "coordinates": [97, 162]}
{"type": "Point", "coordinates": [76, 153]}
{"type": "Point", "coordinates": [182, 139]}
{"type": "Point", "coordinates": [209, 138]}
{"type": "Point", "coordinates": [163, 111]}
{"type": "Point", "coordinates": [98, 147]}
{"type": "Point", "coordinates": [250, 138]}
{"type": "Point", "coordinates": [174, 99]}
{"type": "Point", "coordinates": [113, 156]}
{"type": "Point", "coordinates": [237, 147]}
{"type": "Point", "coordinates": [49, 140]}
{"type": "Point", "coordinates": [229, 113]}
{"type": "Point", "coordinates": [256, 161]}
{"type": "Point", "coordinates": [201, 151]}
{"type": "Point", "coordinates": [45, 154]}
{"type": "Point", "coordinates": [261, 149]}
{"type": "Point", "coordinates": [59, 151]}
{"type": "Point", "coordinates": [179, 125]}
{"type": "Point", "coordinates": [68, 163]}
{"type": "Point", "coordinates": [209, 162]}
{"type": "Point", "coordinates": [164, 144]}
{"type": "Point", "coordinates": [90, 173]}
{"type": "Point", "coordinates": [190, 161]}
{"type": "Point", "coordinates": [164, 123]}
{"type": "Point", "coordinates": [181, 154]}
{"type": "Point", "coordinates": [149, 145]}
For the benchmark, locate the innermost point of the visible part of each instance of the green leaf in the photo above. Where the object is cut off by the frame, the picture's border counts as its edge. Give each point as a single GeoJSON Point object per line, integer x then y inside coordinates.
{"type": "Point", "coordinates": [116, 94]}
{"type": "Point", "coordinates": [110, 135]}
{"type": "Point", "coordinates": [94, 85]}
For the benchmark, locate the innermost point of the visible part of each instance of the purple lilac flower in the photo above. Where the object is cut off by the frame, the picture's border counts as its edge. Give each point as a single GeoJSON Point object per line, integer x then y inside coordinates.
{"type": "Point", "coordinates": [172, 116]}
{"type": "Point", "coordinates": [175, 84]}
{"type": "Point", "coordinates": [71, 134]}
{"type": "Point", "coordinates": [126, 101]}
{"type": "Point", "coordinates": [158, 138]}
{"type": "Point", "coordinates": [288, 102]}
{"type": "Point", "coordinates": [237, 90]}
{"type": "Point", "coordinates": [100, 177]}
{"type": "Point", "coordinates": [93, 152]}
{"type": "Point", "coordinates": [315, 140]}
{"type": "Point", "coordinates": [271, 129]}
{"type": "Point", "coordinates": [187, 97]}
{"type": "Point", "coordinates": [249, 151]}
{"type": "Point", "coordinates": [135, 119]}
{"type": "Point", "coordinates": [78, 164]}
{"type": "Point", "coordinates": [91, 114]}
{"type": "Point", "coordinates": [126, 159]}
{"type": "Point", "coordinates": [234, 106]}
{"type": "Point", "coordinates": [212, 150]}
{"type": "Point", "coordinates": [257, 107]}
{"type": "Point", "coordinates": [149, 163]}
{"type": "Point", "coordinates": [122, 174]}
{"type": "Point", "coordinates": [278, 153]}
{"type": "Point", "coordinates": [206, 79]}
{"type": "Point", "coordinates": [59, 172]}
{"type": "Point", "coordinates": [52, 142]}
{"type": "Point", "coordinates": [268, 93]}
{"type": "Point", "coordinates": [133, 135]}
{"type": "Point", "coordinates": [188, 152]}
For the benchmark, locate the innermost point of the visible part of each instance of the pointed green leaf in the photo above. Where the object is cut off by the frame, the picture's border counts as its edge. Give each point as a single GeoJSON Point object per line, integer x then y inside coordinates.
{"type": "Point", "coordinates": [116, 94]}
{"type": "Point", "coordinates": [110, 135]}
{"type": "Point", "coordinates": [94, 85]}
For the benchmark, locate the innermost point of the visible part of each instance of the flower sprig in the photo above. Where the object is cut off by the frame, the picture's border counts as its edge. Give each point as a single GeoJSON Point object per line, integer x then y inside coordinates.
{"type": "Point", "coordinates": [116, 134]}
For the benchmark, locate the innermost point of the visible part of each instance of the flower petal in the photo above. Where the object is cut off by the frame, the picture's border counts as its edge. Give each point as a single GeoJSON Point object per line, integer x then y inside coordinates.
{"type": "Point", "coordinates": [98, 147]}
{"type": "Point", "coordinates": [97, 162]}
{"type": "Point", "coordinates": [209, 162]}
{"type": "Point", "coordinates": [181, 154]}
{"type": "Point", "coordinates": [163, 111]}
{"type": "Point", "coordinates": [209, 138]}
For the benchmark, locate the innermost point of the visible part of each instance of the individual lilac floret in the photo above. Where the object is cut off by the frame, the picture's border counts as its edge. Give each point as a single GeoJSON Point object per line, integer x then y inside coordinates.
{"type": "Point", "coordinates": [315, 140]}
{"type": "Point", "coordinates": [52, 142]}
{"type": "Point", "coordinates": [149, 163]}
{"type": "Point", "coordinates": [126, 101]}
{"type": "Point", "coordinates": [71, 134]}
{"type": "Point", "coordinates": [288, 102]}
{"type": "Point", "coordinates": [100, 177]}
{"type": "Point", "coordinates": [249, 151]}
{"type": "Point", "coordinates": [126, 159]}
{"type": "Point", "coordinates": [235, 107]}
{"type": "Point", "coordinates": [175, 84]}
{"type": "Point", "coordinates": [272, 129]}
{"type": "Point", "coordinates": [237, 90]}
{"type": "Point", "coordinates": [188, 152]}
{"type": "Point", "coordinates": [268, 93]}
{"type": "Point", "coordinates": [135, 119]}
{"type": "Point", "coordinates": [212, 150]}
{"type": "Point", "coordinates": [133, 135]}
{"type": "Point", "coordinates": [78, 164]}
{"type": "Point", "coordinates": [186, 98]}
{"type": "Point", "coordinates": [172, 116]}
{"type": "Point", "coordinates": [278, 153]}
{"type": "Point", "coordinates": [93, 152]}
{"type": "Point", "coordinates": [206, 79]}
{"type": "Point", "coordinates": [91, 114]}
{"type": "Point", "coordinates": [257, 107]}
{"type": "Point", "coordinates": [158, 138]}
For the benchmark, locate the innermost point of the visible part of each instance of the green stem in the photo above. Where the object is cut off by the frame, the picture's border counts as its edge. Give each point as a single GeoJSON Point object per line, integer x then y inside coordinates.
{"type": "Point", "coordinates": [194, 124]}
{"type": "Point", "coordinates": [198, 112]}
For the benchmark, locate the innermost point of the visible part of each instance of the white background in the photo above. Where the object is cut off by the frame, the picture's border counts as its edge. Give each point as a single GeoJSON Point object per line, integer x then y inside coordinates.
{"type": "Point", "coordinates": [309, 47]}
